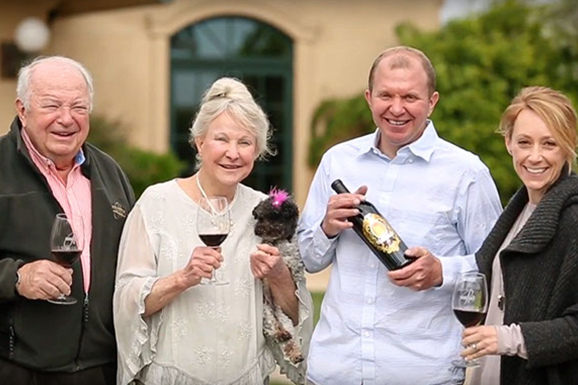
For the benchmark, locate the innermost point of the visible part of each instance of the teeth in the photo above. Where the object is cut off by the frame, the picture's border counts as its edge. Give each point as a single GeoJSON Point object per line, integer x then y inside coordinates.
{"type": "Point", "coordinates": [535, 170]}
{"type": "Point", "coordinates": [397, 122]}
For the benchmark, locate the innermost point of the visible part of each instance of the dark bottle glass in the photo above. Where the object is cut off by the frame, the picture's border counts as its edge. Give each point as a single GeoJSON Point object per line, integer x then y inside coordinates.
{"type": "Point", "coordinates": [376, 232]}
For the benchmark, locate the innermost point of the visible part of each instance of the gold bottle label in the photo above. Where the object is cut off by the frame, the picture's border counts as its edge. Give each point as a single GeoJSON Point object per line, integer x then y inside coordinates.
{"type": "Point", "coordinates": [380, 233]}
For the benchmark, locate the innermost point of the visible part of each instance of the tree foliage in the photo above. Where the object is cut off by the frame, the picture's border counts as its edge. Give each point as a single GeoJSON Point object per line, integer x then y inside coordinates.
{"type": "Point", "coordinates": [143, 168]}
{"type": "Point", "coordinates": [481, 63]}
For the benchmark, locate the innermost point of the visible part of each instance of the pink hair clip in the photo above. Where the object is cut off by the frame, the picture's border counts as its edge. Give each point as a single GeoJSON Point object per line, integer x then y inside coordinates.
{"type": "Point", "coordinates": [278, 197]}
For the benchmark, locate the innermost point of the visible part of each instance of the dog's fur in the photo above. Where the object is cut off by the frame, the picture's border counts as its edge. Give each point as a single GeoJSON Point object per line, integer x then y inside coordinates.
{"type": "Point", "coordinates": [276, 224]}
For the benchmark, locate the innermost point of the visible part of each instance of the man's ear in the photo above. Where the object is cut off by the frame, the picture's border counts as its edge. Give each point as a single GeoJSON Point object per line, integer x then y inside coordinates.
{"type": "Point", "coordinates": [367, 95]}
{"type": "Point", "coordinates": [21, 110]}
{"type": "Point", "coordinates": [433, 101]}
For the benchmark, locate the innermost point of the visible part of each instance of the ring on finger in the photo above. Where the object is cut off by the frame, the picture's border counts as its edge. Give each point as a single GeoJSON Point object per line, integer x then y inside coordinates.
{"type": "Point", "coordinates": [474, 346]}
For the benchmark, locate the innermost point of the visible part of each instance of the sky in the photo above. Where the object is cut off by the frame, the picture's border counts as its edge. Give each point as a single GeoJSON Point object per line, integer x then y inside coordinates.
{"type": "Point", "coordinates": [460, 8]}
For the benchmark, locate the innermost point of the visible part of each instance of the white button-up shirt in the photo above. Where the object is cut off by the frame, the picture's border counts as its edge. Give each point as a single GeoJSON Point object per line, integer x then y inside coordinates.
{"type": "Point", "coordinates": [435, 195]}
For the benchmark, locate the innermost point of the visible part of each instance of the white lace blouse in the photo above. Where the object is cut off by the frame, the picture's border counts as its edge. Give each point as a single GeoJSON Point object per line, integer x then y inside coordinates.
{"type": "Point", "coordinates": [209, 334]}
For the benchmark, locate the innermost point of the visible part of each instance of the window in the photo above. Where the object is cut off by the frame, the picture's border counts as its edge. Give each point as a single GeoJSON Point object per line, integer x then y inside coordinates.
{"type": "Point", "coordinates": [257, 54]}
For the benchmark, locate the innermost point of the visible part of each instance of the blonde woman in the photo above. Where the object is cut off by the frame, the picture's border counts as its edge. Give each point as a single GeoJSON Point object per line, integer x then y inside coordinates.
{"type": "Point", "coordinates": [530, 335]}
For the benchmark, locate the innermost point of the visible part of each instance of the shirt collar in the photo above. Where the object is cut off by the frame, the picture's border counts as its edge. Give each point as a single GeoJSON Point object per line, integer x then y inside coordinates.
{"type": "Point", "coordinates": [423, 147]}
{"type": "Point", "coordinates": [79, 158]}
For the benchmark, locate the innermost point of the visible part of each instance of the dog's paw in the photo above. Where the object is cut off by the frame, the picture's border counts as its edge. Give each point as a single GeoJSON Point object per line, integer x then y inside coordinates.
{"type": "Point", "coordinates": [282, 335]}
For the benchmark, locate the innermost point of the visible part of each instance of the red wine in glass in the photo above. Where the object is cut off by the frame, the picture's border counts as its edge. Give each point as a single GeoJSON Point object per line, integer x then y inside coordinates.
{"type": "Point", "coordinates": [213, 240]}
{"type": "Point", "coordinates": [66, 249]}
{"type": "Point", "coordinates": [213, 226]}
{"type": "Point", "coordinates": [66, 258]}
{"type": "Point", "coordinates": [470, 303]}
{"type": "Point", "coordinates": [469, 318]}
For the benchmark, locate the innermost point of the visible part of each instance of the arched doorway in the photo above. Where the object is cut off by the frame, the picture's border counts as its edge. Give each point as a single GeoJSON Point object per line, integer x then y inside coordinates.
{"type": "Point", "coordinates": [255, 52]}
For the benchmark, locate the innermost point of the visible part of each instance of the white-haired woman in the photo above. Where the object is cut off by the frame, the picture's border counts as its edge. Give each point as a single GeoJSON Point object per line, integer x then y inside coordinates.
{"type": "Point", "coordinates": [172, 330]}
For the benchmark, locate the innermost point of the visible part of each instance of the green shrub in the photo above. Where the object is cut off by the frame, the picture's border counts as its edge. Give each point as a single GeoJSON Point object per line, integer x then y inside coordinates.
{"type": "Point", "coordinates": [481, 63]}
{"type": "Point", "coordinates": [143, 168]}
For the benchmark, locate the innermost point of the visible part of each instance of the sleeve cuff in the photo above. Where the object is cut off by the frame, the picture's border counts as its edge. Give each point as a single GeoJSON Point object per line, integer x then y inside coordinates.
{"type": "Point", "coordinates": [453, 267]}
{"type": "Point", "coordinates": [511, 341]}
{"type": "Point", "coordinates": [322, 241]}
{"type": "Point", "coordinates": [146, 334]}
{"type": "Point", "coordinates": [8, 270]}
{"type": "Point", "coordinates": [305, 325]}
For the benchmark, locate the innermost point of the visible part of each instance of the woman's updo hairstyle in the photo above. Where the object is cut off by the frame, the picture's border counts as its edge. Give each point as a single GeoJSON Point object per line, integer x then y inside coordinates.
{"type": "Point", "coordinates": [231, 96]}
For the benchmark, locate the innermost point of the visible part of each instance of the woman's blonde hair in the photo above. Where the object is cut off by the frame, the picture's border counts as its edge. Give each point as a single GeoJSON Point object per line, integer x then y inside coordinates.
{"type": "Point", "coordinates": [554, 108]}
{"type": "Point", "coordinates": [231, 96]}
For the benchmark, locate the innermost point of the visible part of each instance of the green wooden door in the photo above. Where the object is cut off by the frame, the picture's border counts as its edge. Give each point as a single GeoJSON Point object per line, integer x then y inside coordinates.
{"type": "Point", "coordinates": [254, 52]}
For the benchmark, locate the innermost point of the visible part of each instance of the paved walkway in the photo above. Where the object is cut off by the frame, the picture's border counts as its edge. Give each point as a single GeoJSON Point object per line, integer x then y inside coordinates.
{"type": "Point", "coordinates": [318, 281]}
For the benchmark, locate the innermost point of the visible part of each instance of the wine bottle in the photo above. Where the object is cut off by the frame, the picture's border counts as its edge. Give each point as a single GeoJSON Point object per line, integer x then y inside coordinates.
{"type": "Point", "coordinates": [376, 232]}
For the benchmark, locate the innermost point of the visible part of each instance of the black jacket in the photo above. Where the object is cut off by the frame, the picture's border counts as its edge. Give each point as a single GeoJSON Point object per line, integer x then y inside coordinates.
{"type": "Point", "coordinates": [37, 334]}
{"type": "Point", "coordinates": [540, 269]}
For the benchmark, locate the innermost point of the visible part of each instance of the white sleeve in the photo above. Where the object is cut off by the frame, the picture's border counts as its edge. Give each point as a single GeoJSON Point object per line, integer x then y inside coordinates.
{"type": "Point", "coordinates": [316, 249]}
{"type": "Point", "coordinates": [511, 341]}
{"type": "Point", "coordinates": [479, 208]}
{"type": "Point", "coordinates": [136, 273]}
{"type": "Point", "coordinates": [302, 333]}
{"type": "Point", "coordinates": [453, 267]}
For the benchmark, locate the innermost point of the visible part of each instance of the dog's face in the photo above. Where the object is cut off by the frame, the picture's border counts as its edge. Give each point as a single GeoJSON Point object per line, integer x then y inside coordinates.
{"type": "Point", "coordinates": [275, 223]}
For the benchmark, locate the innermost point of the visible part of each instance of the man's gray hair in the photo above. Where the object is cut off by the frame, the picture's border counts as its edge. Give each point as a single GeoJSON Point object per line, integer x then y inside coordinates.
{"type": "Point", "coordinates": [26, 72]}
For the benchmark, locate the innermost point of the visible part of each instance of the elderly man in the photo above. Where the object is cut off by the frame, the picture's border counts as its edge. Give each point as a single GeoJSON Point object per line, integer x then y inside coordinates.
{"type": "Point", "coordinates": [46, 168]}
{"type": "Point", "coordinates": [380, 327]}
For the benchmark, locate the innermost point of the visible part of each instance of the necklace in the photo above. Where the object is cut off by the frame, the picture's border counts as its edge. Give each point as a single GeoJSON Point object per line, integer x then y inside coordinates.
{"type": "Point", "coordinates": [203, 193]}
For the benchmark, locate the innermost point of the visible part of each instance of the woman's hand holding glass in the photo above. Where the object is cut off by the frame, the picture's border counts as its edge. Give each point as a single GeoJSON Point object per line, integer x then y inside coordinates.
{"type": "Point", "coordinates": [470, 303]}
{"type": "Point", "coordinates": [202, 263]}
{"type": "Point", "coordinates": [213, 226]}
{"type": "Point", "coordinates": [485, 339]}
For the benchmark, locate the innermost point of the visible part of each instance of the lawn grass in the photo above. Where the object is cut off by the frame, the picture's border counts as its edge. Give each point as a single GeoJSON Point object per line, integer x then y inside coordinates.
{"type": "Point", "coordinates": [317, 298]}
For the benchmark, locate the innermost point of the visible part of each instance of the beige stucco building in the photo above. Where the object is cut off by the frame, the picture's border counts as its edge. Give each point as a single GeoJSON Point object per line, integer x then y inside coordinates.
{"type": "Point", "coordinates": [129, 47]}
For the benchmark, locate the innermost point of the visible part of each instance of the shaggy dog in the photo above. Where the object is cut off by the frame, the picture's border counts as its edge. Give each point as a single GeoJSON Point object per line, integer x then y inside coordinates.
{"type": "Point", "coordinates": [276, 222]}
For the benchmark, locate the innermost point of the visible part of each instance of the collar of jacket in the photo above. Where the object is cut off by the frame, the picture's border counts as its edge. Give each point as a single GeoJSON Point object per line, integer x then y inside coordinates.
{"type": "Point", "coordinates": [15, 129]}
{"type": "Point", "coordinates": [542, 225]}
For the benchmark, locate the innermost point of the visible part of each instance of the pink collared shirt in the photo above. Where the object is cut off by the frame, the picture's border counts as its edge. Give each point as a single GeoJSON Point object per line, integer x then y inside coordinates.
{"type": "Point", "coordinates": [73, 195]}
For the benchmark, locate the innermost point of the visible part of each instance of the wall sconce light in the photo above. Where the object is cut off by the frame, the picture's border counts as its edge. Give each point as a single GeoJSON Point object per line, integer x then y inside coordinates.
{"type": "Point", "coordinates": [30, 37]}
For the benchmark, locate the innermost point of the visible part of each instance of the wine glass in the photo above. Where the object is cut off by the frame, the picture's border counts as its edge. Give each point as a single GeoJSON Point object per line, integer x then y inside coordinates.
{"type": "Point", "coordinates": [66, 250]}
{"type": "Point", "coordinates": [213, 225]}
{"type": "Point", "coordinates": [470, 304]}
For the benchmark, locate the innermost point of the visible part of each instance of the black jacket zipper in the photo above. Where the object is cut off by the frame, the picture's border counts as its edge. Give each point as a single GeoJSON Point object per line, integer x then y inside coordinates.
{"type": "Point", "coordinates": [11, 341]}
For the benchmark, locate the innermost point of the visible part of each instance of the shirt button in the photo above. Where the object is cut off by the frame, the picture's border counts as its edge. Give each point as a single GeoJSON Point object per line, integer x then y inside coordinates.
{"type": "Point", "coordinates": [366, 334]}
{"type": "Point", "coordinates": [369, 301]}
{"type": "Point", "coordinates": [410, 161]}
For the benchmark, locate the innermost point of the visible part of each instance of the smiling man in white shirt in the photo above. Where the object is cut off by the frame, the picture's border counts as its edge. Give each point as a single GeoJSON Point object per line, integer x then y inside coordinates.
{"type": "Point", "coordinates": [394, 328]}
